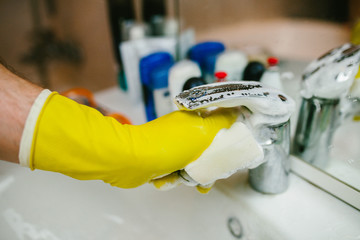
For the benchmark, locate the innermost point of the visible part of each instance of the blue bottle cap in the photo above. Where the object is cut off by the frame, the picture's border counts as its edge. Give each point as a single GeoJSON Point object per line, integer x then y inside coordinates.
{"type": "Point", "coordinates": [205, 54]}
{"type": "Point", "coordinates": [150, 62]}
{"type": "Point", "coordinates": [160, 76]}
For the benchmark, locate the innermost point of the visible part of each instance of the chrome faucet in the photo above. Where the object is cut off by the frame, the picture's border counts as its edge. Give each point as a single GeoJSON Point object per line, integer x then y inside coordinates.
{"type": "Point", "coordinates": [317, 122]}
{"type": "Point", "coordinates": [266, 111]}
{"type": "Point", "coordinates": [326, 102]}
{"type": "Point", "coordinates": [273, 175]}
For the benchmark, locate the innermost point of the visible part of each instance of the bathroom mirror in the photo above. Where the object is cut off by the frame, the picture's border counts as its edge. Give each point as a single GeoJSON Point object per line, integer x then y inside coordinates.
{"type": "Point", "coordinates": [295, 32]}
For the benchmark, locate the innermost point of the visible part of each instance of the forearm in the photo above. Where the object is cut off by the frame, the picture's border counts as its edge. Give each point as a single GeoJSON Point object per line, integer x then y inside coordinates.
{"type": "Point", "coordinates": [16, 98]}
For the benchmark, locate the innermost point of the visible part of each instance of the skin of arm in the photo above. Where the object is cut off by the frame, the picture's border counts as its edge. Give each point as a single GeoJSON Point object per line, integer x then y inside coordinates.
{"type": "Point", "coordinates": [16, 98]}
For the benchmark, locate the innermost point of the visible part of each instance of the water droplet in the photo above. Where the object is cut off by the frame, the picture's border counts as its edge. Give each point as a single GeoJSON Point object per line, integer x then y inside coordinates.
{"type": "Point", "coordinates": [351, 161]}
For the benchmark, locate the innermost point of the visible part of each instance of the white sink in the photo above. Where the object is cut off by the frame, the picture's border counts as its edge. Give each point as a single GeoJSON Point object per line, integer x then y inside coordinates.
{"type": "Point", "coordinates": [302, 212]}
{"type": "Point", "coordinates": [34, 204]}
{"type": "Point", "coordinates": [43, 205]}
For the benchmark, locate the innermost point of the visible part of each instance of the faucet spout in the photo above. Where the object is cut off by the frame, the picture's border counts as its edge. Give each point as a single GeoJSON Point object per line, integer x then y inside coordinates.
{"type": "Point", "coordinates": [317, 122]}
{"type": "Point", "coordinates": [272, 176]}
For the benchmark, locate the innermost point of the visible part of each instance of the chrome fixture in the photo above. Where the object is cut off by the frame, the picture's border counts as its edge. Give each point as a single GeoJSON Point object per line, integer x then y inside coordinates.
{"type": "Point", "coordinates": [326, 102]}
{"type": "Point", "coordinates": [273, 175]}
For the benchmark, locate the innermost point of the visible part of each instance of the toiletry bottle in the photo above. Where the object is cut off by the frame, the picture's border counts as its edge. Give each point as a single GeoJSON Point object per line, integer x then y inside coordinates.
{"type": "Point", "coordinates": [171, 25]}
{"type": "Point", "coordinates": [147, 66]}
{"type": "Point", "coordinates": [159, 85]}
{"type": "Point", "coordinates": [139, 29]}
{"type": "Point", "coordinates": [232, 62]}
{"type": "Point", "coordinates": [271, 76]}
{"type": "Point", "coordinates": [205, 55]}
{"type": "Point", "coordinates": [179, 74]}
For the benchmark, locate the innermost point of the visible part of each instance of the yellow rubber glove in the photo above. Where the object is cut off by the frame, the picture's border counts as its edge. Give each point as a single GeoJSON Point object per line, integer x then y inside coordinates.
{"type": "Point", "coordinates": [355, 39]}
{"type": "Point", "coordinates": [80, 142]}
{"type": "Point", "coordinates": [355, 33]}
{"type": "Point", "coordinates": [354, 90]}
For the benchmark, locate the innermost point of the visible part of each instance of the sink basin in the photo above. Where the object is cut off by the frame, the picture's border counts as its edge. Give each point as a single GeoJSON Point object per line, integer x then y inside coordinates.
{"type": "Point", "coordinates": [302, 212]}
{"type": "Point", "coordinates": [39, 203]}
{"type": "Point", "coordinates": [45, 205]}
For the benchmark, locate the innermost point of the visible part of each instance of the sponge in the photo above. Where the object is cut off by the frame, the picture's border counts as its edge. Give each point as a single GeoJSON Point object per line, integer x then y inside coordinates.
{"type": "Point", "coordinates": [231, 150]}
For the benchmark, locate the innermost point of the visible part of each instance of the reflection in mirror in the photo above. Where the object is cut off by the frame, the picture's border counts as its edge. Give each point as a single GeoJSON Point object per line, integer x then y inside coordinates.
{"type": "Point", "coordinates": [328, 100]}
{"type": "Point", "coordinates": [295, 32]}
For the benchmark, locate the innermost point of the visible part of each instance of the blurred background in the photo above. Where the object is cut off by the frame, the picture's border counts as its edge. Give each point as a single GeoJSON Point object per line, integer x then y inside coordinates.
{"type": "Point", "coordinates": [65, 44]}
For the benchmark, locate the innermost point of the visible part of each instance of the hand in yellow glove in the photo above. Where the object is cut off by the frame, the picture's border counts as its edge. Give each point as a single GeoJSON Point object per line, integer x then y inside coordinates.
{"type": "Point", "coordinates": [80, 142]}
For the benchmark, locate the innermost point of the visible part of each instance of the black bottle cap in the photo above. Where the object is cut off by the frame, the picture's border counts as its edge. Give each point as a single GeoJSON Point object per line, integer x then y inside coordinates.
{"type": "Point", "coordinates": [253, 71]}
{"type": "Point", "coordinates": [193, 82]}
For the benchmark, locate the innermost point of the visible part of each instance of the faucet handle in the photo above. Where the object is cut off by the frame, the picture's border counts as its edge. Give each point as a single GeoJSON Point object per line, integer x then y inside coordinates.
{"type": "Point", "coordinates": [259, 99]}
{"type": "Point", "coordinates": [335, 55]}
{"type": "Point", "coordinates": [332, 74]}
{"type": "Point", "coordinates": [351, 50]}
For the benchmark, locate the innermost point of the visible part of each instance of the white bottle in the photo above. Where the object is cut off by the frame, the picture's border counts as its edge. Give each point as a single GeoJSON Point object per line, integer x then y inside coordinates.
{"type": "Point", "coordinates": [271, 77]}
{"type": "Point", "coordinates": [233, 62]}
{"type": "Point", "coordinates": [162, 101]}
{"type": "Point", "coordinates": [171, 26]}
{"type": "Point", "coordinates": [179, 74]}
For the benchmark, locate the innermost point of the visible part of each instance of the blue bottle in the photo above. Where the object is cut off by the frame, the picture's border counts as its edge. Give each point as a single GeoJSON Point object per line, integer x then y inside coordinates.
{"type": "Point", "coordinates": [205, 54]}
{"type": "Point", "coordinates": [154, 69]}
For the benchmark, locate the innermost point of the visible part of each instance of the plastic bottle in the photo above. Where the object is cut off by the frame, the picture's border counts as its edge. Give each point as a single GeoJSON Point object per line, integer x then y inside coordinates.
{"type": "Point", "coordinates": [154, 70]}
{"type": "Point", "coordinates": [271, 76]}
{"type": "Point", "coordinates": [205, 54]}
{"type": "Point", "coordinates": [180, 73]}
{"type": "Point", "coordinates": [233, 63]}
{"type": "Point", "coordinates": [159, 85]}
{"type": "Point", "coordinates": [171, 26]}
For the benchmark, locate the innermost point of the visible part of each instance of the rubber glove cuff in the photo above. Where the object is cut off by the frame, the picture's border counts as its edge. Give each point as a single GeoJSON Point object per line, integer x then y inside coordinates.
{"type": "Point", "coordinates": [29, 128]}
